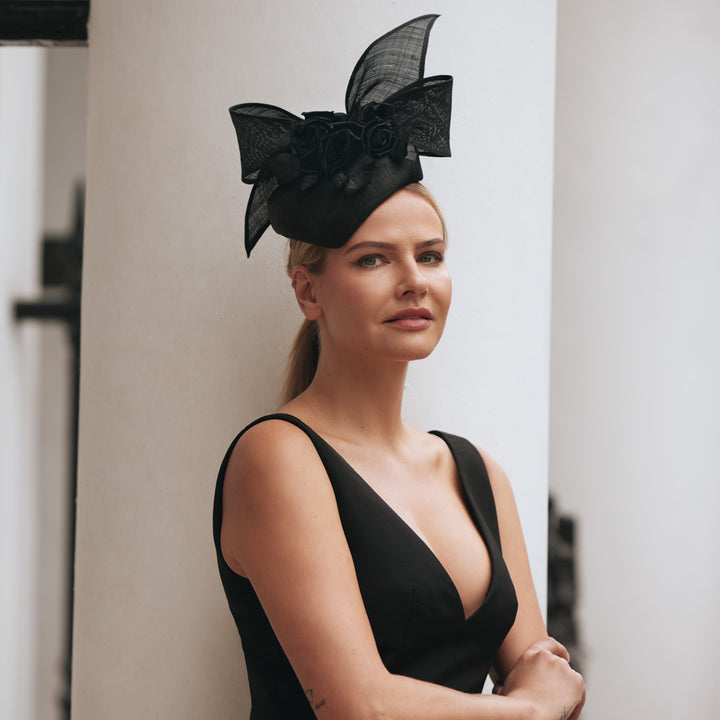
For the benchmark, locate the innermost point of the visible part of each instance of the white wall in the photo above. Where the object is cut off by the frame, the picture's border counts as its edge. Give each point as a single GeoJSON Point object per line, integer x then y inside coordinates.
{"type": "Point", "coordinates": [635, 423]}
{"type": "Point", "coordinates": [184, 339]}
{"type": "Point", "coordinates": [21, 106]}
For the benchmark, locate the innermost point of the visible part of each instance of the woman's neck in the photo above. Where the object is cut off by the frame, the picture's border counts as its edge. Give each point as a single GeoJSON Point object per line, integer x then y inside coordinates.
{"type": "Point", "coordinates": [355, 400]}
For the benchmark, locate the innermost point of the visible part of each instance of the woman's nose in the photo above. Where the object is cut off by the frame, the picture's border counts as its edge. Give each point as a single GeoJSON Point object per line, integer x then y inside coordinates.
{"type": "Point", "coordinates": [412, 280]}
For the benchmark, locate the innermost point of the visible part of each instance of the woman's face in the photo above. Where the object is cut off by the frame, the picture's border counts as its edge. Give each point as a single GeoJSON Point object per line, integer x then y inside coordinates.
{"type": "Point", "coordinates": [386, 292]}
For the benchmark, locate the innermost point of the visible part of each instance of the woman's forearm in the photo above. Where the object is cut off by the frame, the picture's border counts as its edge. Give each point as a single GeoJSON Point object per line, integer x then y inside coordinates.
{"type": "Point", "coordinates": [542, 686]}
{"type": "Point", "coordinates": [397, 697]}
{"type": "Point", "coordinates": [410, 699]}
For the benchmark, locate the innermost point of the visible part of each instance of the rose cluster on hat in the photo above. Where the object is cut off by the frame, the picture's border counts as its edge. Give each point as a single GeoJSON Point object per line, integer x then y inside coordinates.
{"type": "Point", "coordinates": [316, 178]}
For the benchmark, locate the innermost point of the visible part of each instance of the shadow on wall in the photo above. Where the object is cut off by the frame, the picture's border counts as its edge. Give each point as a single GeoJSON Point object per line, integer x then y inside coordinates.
{"type": "Point", "coordinates": [562, 584]}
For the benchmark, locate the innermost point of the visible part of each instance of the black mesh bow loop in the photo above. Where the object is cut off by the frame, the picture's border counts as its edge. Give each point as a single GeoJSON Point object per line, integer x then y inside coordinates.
{"type": "Point", "coordinates": [424, 109]}
{"type": "Point", "coordinates": [390, 63]}
{"type": "Point", "coordinates": [262, 131]}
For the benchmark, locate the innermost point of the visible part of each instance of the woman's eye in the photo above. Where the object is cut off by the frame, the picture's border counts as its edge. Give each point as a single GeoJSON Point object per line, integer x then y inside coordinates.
{"type": "Point", "coordinates": [369, 261]}
{"type": "Point", "coordinates": [430, 257]}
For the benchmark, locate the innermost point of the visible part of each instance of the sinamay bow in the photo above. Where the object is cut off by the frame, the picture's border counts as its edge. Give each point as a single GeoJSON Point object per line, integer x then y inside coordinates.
{"type": "Point", "coordinates": [391, 112]}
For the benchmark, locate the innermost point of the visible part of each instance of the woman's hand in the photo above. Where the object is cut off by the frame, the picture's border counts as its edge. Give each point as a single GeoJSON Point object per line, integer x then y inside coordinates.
{"type": "Point", "coordinates": [543, 676]}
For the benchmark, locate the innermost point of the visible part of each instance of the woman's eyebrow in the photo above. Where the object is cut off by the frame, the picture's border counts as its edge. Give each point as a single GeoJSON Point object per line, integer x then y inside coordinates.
{"type": "Point", "coordinates": [368, 244]}
{"type": "Point", "coordinates": [389, 246]}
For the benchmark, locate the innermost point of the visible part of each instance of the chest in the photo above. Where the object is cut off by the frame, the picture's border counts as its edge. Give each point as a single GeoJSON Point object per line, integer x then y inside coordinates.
{"type": "Point", "coordinates": [435, 595]}
{"type": "Point", "coordinates": [426, 500]}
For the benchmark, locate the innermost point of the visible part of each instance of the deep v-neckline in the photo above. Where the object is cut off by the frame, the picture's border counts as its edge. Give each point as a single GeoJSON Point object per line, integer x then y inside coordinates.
{"type": "Point", "coordinates": [475, 515]}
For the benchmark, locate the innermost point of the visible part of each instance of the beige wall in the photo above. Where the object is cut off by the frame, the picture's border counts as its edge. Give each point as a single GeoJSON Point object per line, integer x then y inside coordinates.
{"type": "Point", "coordinates": [635, 402]}
{"type": "Point", "coordinates": [184, 339]}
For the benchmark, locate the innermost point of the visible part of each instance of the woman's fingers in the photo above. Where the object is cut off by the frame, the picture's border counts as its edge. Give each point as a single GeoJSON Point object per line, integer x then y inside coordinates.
{"type": "Point", "coordinates": [578, 707]}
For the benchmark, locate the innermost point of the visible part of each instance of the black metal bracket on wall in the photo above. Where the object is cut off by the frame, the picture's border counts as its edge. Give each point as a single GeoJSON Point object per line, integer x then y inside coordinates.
{"type": "Point", "coordinates": [44, 22]}
{"type": "Point", "coordinates": [62, 274]}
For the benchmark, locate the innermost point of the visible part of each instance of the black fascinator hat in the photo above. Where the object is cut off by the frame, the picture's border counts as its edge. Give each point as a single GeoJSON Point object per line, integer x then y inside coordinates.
{"type": "Point", "coordinates": [317, 178]}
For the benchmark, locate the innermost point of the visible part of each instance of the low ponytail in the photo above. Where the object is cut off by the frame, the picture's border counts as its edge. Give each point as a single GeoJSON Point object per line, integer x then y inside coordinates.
{"type": "Point", "coordinates": [302, 361]}
{"type": "Point", "coordinates": [305, 352]}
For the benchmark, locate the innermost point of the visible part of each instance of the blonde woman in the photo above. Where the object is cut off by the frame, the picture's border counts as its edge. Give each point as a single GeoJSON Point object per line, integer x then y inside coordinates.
{"type": "Point", "coordinates": [373, 570]}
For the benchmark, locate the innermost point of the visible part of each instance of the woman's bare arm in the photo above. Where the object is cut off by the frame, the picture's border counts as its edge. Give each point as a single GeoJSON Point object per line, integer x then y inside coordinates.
{"type": "Point", "coordinates": [529, 626]}
{"type": "Point", "coordinates": [281, 528]}
{"type": "Point", "coordinates": [528, 633]}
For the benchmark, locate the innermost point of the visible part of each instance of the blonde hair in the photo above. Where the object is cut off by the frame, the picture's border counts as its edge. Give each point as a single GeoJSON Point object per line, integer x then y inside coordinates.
{"type": "Point", "coordinates": [305, 351]}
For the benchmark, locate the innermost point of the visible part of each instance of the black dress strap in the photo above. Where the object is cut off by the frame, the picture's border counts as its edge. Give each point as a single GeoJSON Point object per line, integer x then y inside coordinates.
{"type": "Point", "coordinates": [474, 471]}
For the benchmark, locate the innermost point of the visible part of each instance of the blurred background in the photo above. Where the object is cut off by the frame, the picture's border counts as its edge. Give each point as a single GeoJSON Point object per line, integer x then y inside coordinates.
{"type": "Point", "coordinates": [43, 110]}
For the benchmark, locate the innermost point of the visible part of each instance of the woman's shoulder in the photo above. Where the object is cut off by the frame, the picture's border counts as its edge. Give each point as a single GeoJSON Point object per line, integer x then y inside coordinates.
{"type": "Point", "coordinates": [271, 427]}
{"type": "Point", "coordinates": [273, 478]}
{"type": "Point", "coordinates": [499, 483]}
{"type": "Point", "coordinates": [497, 475]}
{"type": "Point", "coordinates": [269, 444]}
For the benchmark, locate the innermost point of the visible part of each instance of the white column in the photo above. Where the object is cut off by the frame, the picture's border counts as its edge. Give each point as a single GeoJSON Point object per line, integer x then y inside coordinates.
{"type": "Point", "coordinates": [184, 339]}
{"type": "Point", "coordinates": [635, 424]}
{"type": "Point", "coordinates": [21, 126]}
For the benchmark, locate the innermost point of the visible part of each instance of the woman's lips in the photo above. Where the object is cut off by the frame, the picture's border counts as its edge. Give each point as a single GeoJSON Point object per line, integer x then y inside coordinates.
{"type": "Point", "coordinates": [410, 318]}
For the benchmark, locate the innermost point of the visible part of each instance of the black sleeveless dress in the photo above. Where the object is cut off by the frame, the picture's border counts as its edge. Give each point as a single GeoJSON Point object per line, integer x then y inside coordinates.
{"type": "Point", "coordinates": [413, 606]}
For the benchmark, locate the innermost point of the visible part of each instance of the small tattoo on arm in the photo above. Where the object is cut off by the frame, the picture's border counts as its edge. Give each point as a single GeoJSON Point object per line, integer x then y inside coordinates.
{"type": "Point", "coordinates": [311, 698]}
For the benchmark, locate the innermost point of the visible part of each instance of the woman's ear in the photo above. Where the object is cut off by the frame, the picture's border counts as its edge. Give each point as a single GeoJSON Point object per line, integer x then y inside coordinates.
{"type": "Point", "coordinates": [302, 282]}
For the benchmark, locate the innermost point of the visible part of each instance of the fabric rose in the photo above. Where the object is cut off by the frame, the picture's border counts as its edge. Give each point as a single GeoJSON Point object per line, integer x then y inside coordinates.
{"type": "Point", "coordinates": [379, 139]}
{"type": "Point", "coordinates": [306, 143]}
{"type": "Point", "coordinates": [341, 146]}
{"type": "Point", "coordinates": [329, 143]}
{"type": "Point", "coordinates": [326, 142]}
{"type": "Point", "coordinates": [381, 135]}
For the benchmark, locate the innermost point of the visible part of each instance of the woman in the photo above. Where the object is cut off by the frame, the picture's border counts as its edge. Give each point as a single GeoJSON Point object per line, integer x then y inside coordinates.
{"type": "Point", "coordinates": [373, 570]}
